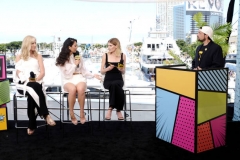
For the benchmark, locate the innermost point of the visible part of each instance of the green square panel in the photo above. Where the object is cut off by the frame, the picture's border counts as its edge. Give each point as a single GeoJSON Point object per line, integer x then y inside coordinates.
{"type": "Point", "coordinates": [4, 92]}
{"type": "Point", "coordinates": [210, 105]}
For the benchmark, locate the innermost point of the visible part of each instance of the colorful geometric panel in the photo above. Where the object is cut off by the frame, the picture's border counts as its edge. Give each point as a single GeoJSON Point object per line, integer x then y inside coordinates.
{"type": "Point", "coordinates": [213, 80]}
{"type": "Point", "coordinates": [210, 105]}
{"type": "Point", "coordinates": [178, 81]}
{"type": "Point", "coordinates": [218, 126]}
{"type": "Point", "coordinates": [183, 135]}
{"type": "Point", "coordinates": [204, 138]}
{"type": "Point", "coordinates": [4, 92]}
{"type": "Point", "coordinates": [3, 119]}
{"type": "Point", "coordinates": [166, 109]}
{"type": "Point", "coordinates": [3, 74]}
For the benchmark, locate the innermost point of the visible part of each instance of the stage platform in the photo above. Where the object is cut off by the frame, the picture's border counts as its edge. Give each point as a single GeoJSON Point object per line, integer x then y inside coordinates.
{"type": "Point", "coordinates": [114, 141]}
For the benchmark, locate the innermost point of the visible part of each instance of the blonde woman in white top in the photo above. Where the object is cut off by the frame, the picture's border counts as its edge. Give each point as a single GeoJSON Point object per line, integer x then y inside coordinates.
{"type": "Point", "coordinates": [28, 60]}
{"type": "Point", "coordinates": [74, 74]}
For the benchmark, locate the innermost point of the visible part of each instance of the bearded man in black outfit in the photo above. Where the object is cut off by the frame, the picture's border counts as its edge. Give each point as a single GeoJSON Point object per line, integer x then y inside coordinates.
{"type": "Point", "coordinates": [209, 54]}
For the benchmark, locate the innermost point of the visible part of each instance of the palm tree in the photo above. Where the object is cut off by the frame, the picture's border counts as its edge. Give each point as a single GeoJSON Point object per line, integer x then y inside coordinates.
{"type": "Point", "coordinates": [221, 34]}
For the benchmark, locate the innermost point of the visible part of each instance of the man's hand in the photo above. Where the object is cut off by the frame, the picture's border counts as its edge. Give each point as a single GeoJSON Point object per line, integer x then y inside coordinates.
{"type": "Point", "coordinates": [198, 68]}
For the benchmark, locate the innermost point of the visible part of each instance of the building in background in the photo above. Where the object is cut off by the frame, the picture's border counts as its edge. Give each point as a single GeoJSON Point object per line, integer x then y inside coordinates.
{"type": "Point", "coordinates": [184, 27]}
{"type": "Point", "coordinates": [236, 116]}
{"type": "Point", "coordinates": [164, 15]}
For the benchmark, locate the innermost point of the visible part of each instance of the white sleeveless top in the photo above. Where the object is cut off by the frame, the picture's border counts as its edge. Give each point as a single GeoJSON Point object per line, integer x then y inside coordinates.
{"type": "Point", "coordinates": [31, 65]}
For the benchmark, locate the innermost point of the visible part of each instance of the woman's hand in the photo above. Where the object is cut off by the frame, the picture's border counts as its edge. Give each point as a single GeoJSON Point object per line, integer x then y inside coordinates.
{"type": "Point", "coordinates": [77, 61]}
{"type": "Point", "coordinates": [110, 67]}
{"type": "Point", "coordinates": [99, 77]}
{"type": "Point", "coordinates": [121, 69]}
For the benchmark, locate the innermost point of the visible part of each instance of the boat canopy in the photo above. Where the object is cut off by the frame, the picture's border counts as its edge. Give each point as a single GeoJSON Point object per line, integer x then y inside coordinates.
{"type": "Point", "coordinates": [130, 1]}
{"type": "Point", "coordinates": [161, 57]}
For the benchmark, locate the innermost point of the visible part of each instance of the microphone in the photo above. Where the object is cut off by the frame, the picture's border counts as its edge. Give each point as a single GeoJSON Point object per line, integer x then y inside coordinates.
{"type": "Point", "coordinates": [120, 64]}
{"type": "Point", "coordinates": [77, 57]}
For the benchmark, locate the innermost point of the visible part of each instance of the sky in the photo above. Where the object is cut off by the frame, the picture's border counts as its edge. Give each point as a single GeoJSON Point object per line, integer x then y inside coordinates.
{"type": "Point", "coordinates": [89, 22]}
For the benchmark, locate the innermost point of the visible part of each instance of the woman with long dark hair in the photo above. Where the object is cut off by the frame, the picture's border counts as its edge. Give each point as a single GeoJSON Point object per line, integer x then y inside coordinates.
{"type": "Point", "coordinates": [74, 74]}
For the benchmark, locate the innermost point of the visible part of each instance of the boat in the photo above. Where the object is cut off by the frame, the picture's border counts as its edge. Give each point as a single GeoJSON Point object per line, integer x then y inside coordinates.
{"type": "Point", "coordinates": [231, 58]}
{"type": "Point", "coordinates": [46, 53]}
{"type": "Point", "coordinates": [155, 51]}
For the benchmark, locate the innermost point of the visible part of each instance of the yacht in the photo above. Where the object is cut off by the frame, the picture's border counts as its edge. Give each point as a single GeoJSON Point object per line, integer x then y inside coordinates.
{"type": "Point", "coordinates": [155, 51]}
{"type": "Point", "coordinates": [46, 53]}
{"type": "Point", "coordinates": [231, 58]}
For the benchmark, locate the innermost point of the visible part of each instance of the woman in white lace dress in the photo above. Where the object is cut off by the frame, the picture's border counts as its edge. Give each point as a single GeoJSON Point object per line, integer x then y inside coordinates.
{"type": "Point", "coordinates": [28, 60]}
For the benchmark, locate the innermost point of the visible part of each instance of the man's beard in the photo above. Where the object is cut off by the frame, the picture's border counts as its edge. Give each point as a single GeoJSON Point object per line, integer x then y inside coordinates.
{"type": "Point", "coordinates": [201, 40]}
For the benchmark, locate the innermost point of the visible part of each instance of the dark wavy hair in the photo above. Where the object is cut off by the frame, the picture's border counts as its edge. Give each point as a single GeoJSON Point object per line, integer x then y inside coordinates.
{"type": "Point", "coordinates": [64, 54]}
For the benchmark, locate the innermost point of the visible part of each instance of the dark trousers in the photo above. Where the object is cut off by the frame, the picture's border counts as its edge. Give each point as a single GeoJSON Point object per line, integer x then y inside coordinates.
{"type": "Point", "coordinates": [31, 105]}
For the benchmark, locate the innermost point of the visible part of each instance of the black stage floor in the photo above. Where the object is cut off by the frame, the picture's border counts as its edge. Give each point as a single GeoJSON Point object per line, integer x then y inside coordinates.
{"type": "Point", "coordinates": [115, 141]}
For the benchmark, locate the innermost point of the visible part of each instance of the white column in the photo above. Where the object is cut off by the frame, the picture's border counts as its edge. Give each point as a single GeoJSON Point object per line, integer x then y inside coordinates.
{"type": "Point", "coordinates": [236, 116]}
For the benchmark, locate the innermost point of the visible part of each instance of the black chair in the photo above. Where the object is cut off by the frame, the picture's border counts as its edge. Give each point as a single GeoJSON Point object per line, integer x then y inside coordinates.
{"type": "Point", "coordinates": [105, 93]}
{"type": "Point", "coordinates": [15, 113]}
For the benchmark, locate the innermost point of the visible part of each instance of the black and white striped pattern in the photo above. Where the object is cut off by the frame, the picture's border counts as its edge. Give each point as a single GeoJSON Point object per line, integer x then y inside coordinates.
{"type": "Point", "coordinates": [213, 80]}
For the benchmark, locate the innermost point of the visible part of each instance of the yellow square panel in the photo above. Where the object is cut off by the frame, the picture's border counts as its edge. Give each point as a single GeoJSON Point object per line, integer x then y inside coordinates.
{"type": "Point", "coordinates": [178, 81]}
{"type": "Point", "coordinates": [210, 105]}
{"type": "Point", "coordinates": [3, 119]}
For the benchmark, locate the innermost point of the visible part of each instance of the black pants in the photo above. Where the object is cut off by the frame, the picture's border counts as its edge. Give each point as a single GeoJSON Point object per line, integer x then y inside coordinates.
{"type": "Point", "coordinates": [31, 104]}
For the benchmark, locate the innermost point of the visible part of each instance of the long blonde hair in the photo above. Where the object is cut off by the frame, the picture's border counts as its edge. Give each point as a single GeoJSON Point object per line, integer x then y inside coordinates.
{"type": "Point", "coordinates": [116, 42]}
{"type": "Point", "coordinates": [26, 47]}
